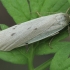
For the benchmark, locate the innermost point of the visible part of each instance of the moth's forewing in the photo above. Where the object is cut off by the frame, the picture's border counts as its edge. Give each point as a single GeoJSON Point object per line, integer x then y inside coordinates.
{"type": "Point", "coordinates": [32, 31]}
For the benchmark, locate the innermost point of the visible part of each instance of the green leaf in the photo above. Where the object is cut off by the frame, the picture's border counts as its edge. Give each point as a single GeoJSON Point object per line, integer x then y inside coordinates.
{"type": "Point", "coordinates": [19, 10]}
{"type": "Point", "coordinates": [3, 26]}
{"type": "Point", "coordinates": [15, 56]}
{"type": "Point", "coordinates": [61, 60]}
{"type": "Point", "coordinates": [55, 45]}
{"type": "Point", "coordinates": [69, 1]}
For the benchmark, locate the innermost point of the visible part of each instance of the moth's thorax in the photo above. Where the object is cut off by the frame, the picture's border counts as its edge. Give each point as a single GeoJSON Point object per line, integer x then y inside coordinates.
{"type": "Point", "coordinates": [62, 17]}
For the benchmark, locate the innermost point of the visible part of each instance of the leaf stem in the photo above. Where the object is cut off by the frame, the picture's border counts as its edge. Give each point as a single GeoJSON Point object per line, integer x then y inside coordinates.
{"type": "Point", "coordinates": [30, 64]}
{"type": "Point", "coordinates": [30, 58]}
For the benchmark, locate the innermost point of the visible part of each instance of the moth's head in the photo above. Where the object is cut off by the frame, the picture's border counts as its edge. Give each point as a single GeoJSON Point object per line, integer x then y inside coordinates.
{"type": "Point", "coordinates": [67, 17]}
{"type": "Point", "coordinates": [63, 18]}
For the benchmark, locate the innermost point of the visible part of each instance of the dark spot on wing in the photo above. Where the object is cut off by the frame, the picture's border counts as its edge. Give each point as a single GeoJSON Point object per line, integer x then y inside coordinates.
{"type": "Point", "coordinates": [26, 43]}
{"type": "Point", "coordinates": [35, 29]}
{"type": "Point", "coordinates": [12, 34]}
{"type": "Point", "coordinates": [13, 28]}
{"type": "Point", "coordinates": [29, 27]}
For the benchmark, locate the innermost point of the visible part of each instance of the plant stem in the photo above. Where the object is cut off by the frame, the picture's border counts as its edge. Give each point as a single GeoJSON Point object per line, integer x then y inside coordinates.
{"type": "Point", "coordinates": [30, 64]}
{"type": "Point", "coordinates": [30, 58]}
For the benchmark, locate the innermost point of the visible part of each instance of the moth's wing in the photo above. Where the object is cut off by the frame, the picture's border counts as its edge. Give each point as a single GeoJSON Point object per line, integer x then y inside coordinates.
{"type": "Point", "coordinates": [58, 23]}
{"type": "Point", "coordinates": [44, 35]}
{"type": "Point", "coordinates": [53, 30]}
{"type": "Point", "coordinates": [18, 35]}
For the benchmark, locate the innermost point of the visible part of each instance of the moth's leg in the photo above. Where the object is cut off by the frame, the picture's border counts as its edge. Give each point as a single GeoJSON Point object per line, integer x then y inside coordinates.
{"type": "Point", "coordinates": [27, 47]}
{"type": "Point", "coordinates": [38, 14]}
{"type": "Point", "coordinates": [52, 39]}
{"type": "Point", "coordinates": [67, 10]}
{"type": "Point", "coordinates": [50, 43]}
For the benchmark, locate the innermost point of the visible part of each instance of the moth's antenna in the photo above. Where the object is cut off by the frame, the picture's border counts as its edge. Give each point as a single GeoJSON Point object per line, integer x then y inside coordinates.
{"type": "Point", "coordinates": [29, 6]}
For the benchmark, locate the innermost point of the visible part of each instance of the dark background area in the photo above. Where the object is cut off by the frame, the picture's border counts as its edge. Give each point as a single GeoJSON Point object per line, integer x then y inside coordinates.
{"type": "Point", "coordinates": [37, 61]}
{"type": "Point", "coordinates": [5, 18]}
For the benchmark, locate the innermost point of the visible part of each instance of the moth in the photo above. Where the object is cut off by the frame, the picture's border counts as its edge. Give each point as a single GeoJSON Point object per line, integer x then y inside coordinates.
{"type": "Point", "coordinates": [32, 31]}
